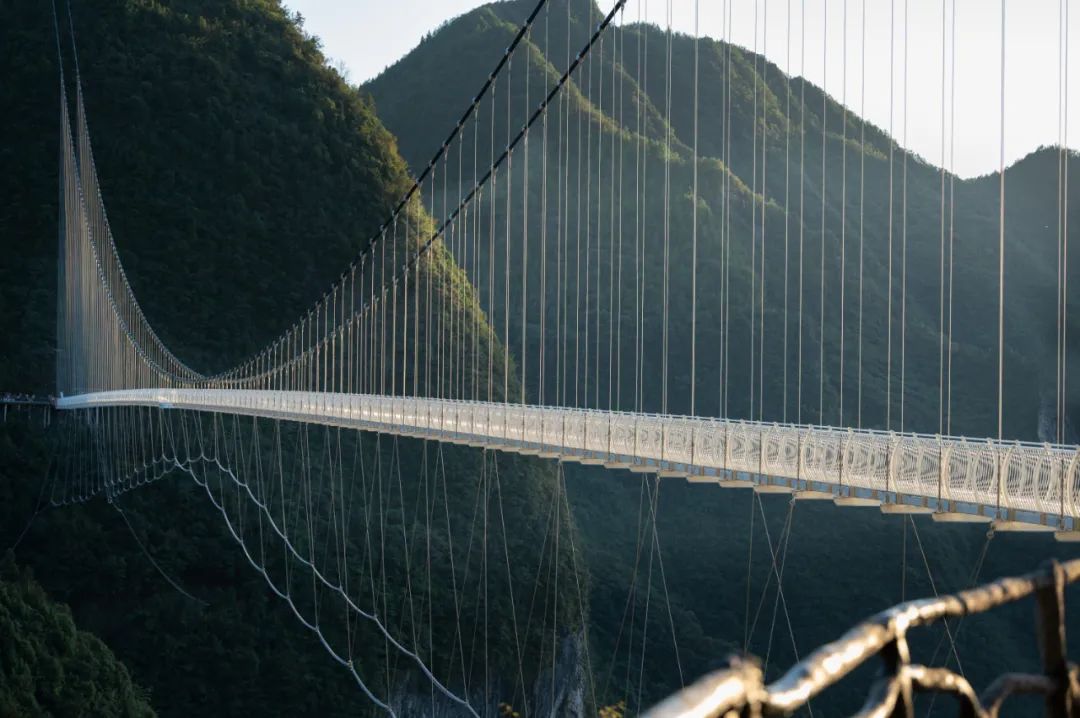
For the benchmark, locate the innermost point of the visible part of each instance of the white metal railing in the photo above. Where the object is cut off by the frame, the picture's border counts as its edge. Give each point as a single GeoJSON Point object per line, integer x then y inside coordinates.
{"type": "Point", "coordinates": [944, 473]}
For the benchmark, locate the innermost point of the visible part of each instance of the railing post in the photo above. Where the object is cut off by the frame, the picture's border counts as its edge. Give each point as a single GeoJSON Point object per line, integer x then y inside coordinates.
{"type": "Point", "coordinates": [888, 462]}
{"type": "Point", "coordinates": [544, 411]}
{"type": "Point", "coordinates": [761, 454]}
{"type": "Point", "coordinates": [637, 449]}
{"type": "Point", "coordinates": [693, 442]}
{"type": "Point", "coordinates": [1040, 499]}
{"type": "Point", "coordinates": [941, 468]}
{"type": "Point", "coordinates": [663, 442]}
{"type": "Point", "coordinates": [799, 461]}
{"type": "Point", "coordinates": [585, 432]}
{"type": "Point", "coordinates": [562, 447]}
{"type": "Point", "coordinates": [998, 471]}
{"type": "Point", "coordinates": [610, 421]}
{"type": "Point", "coordinates": [1061, 492]}
{"type": "Point", "coordinates": [727, 445]}
{"type": "Point", "coordinates": [841, 472]}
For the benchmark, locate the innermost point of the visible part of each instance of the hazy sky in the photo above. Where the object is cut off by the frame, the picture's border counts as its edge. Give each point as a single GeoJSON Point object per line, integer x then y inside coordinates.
{"type": "Point", "coordinates": [368, 35]}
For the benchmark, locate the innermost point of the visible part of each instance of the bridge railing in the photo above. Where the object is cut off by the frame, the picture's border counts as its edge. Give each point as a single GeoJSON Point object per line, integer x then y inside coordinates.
{"type": "Point", "coordinates": [740, 689]}
{"type": "Point", "coordinates": [987, 478]}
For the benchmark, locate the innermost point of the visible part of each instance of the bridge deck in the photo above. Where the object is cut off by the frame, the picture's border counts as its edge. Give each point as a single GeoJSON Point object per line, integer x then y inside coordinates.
{"type": "Point", "coordinates": [955, 478]}
{"type": "Point", "coordinates": [25, 401]}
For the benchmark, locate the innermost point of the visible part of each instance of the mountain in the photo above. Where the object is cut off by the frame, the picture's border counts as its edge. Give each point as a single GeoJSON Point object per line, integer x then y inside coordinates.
{"type": "Point", "coordinates": [241, 175]}
{"type": "Point", "coordinates": [842, 564]}
{"type": "Point", "coordinates": [49, 666]}
{"type": "Point", "coordinates": [615, 112]}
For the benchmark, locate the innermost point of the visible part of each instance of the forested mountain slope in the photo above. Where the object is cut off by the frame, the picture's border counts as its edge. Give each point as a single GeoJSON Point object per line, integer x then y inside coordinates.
{"type": "Point", "coordinates": [241, 175]}
{"type": "Point", "coordinates": [49, 666]}
{"type": "Point", "coordinates": [617, 103]}
{"type": "Point", "coordinates": [842, 564]}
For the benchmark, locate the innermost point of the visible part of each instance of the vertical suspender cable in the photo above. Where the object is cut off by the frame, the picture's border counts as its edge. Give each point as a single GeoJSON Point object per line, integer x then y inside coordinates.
{"type": "Point", "coordinates": [506, 251]}
{"type": "Point", "coordinates": [393, 315]}
{"type": "Point", "coordinates": [588, 222]}
{"type": "Point", "coordinates": [618, 301]}
{"type": "Point", "coordinates": [667, 221]}
{"type": "Point", "coordinates": [725, 143]}
{"type": "Point", "coordinates": [637, 214]}
{"type": "Point", "coordinates": [457, 336]}
{"type": "Point", "coordinates": [722, 363]}
{"type": "Point", "coordinates": [941, 265]}
{"type": "Point", "coordinates": [903, 235]}
{"type": "Point", "coordinates": [582, 82]}
{"type": "Point", "coordinates": [600, 206]}
{"type": "Point", "coordinates": [564, 247]}
{"type": "Point", "coordinates": [787, 204]}
{"type": "Point", "coordinates": [429, 321]}
{"type": "Point", "coordinates": [843, 212]}
{"type": "Point", "coordinates": [892, 146]}
{"type": "Point", "coordinates": [1001, 243]}
{"type": "Point", "coordinates": [416, 335]}
{"type": "Point", "coordinates": [802, 197]}
{"type": "Point", "coordinates": [560, 215]}
{"type": "Point", "coordinates": [444, 281]}
{"type": "Point", "coordinates": [614, 310]}
{"type": "Point", "coordinates": [824, 147]}
{"type": "Point", "coordinates": [764, 202]}
{"type": "Point", "coordinates": [478, 318]}
{"type": "Point", "coordinates": [577, 253]}
{"type": "Point", "coordinates": [694, 212]}
{"type": "Point", "coordinates": [952, 214]}
{"type": "Point", "coordinates": [599, 231]}
{"type": "Point", "coordinates": [525, 231]}
{"type": "Point", "coordinates": [1058, 399]}
{"type": "Point", "coordinates": [491, 258]}
{"type": "Point", "coordinates": [1065, 244]}
{"type": "Point", "coordinates": [644, 236]}
{"type": "Point", "coordinates": [753, 224]}
{"type": "Point", "coordinates": [541, 396]}
{"type": "Point", "coordinates": [1063, 218]}
{"type": "Point", "coordinates": [639, 217]}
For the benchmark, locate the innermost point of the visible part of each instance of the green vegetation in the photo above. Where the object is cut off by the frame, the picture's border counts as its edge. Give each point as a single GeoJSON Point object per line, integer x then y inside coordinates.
{"type": "Point", "coordinates": [608, 124]}
{"type": "Point", "coordinates": [50, 667]}
{"type": "Point", "coordinates": [845, 564]}
{"type": "Point", "coordinates": [241, 176]}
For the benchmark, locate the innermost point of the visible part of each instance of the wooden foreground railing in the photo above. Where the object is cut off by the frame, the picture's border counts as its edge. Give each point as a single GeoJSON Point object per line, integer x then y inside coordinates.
{"type": "Point", "coordinates": [740, 692]}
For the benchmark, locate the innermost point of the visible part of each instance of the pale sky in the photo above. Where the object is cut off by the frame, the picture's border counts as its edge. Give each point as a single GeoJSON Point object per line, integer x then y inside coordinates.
{"type": "Point", "coordinates": [368, 35]}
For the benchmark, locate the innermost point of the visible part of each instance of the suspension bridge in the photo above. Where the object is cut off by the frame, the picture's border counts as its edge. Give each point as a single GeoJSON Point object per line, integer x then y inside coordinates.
{"type": "Point", "coordinates": [524, 297]}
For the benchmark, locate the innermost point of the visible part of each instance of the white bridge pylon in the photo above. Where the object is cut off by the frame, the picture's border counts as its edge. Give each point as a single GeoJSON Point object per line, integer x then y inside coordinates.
{"type": "Point", "coordinates": [1015, 484]}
